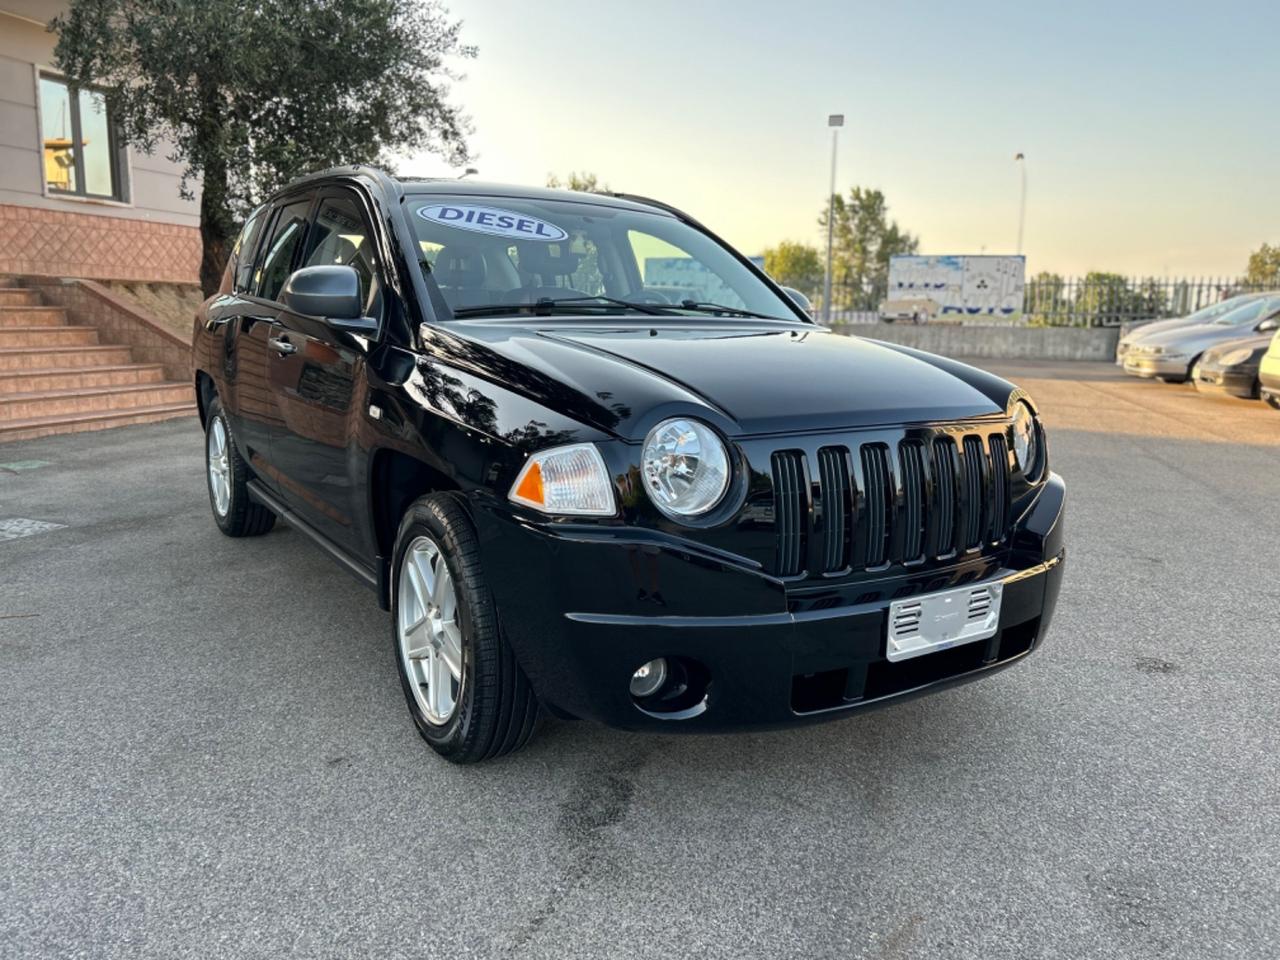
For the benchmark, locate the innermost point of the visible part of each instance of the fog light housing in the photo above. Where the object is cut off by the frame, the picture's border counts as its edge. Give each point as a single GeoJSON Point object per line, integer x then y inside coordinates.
{"type": "Point", "coordinates": [648, 679]}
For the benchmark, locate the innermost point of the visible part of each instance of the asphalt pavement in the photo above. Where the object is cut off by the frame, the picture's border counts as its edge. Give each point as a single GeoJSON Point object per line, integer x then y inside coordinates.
{"type": "Point", "coordinates": [206, 753]}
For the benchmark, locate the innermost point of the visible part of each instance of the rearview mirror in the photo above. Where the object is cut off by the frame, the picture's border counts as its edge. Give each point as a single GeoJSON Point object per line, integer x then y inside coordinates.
{"type": "Point", "coordinates": [800, 299]}
{"type": "Point", "coordinates": [330, 292]}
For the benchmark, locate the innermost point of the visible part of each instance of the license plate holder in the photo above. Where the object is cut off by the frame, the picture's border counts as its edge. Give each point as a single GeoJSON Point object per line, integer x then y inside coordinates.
{"type": "Point", "coordinates": [937, 621]}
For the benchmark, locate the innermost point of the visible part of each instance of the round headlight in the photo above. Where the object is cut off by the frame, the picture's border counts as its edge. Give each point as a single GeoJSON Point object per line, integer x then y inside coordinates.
{"type": "Point", "coordinates": [1026, 442]}
{"type": "Point", "coordinates": [685, 467]}
{"type": "Point", "coordinates": [1236, 356]}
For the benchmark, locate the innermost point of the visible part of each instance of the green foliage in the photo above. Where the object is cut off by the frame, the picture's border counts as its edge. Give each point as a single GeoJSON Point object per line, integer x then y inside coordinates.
{"type": "Point", "coordinates": [1110, 298]}
{"type": "Point", "coordinates": [253, 94]}
{"type": "Point", "coordinates": [795, 265]}
{"type": "Point", "coordinates": [864, 240]}
{"type": "Point", "coordinates": [1045, 297]}
{"type": "Point", "coordinates": [582, 182]}
{"type": "Point", "coordinates": [1264, 266]}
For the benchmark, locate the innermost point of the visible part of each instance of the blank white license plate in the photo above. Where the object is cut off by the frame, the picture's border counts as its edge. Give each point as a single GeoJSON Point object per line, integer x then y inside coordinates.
{"type": "Point", "coordinates": [936, 621]}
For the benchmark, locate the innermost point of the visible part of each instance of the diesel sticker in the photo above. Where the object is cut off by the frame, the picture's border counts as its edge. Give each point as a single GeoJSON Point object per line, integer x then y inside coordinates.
{"type": "Point", "coordinates": [492, 220]}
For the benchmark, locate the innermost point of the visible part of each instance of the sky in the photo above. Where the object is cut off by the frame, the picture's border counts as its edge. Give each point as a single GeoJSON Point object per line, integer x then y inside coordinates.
{"type": "Point", "coordinates": [1151, 130]}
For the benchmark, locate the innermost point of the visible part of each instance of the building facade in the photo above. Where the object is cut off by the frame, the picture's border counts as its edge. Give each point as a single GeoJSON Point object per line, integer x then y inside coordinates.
{"type": "Point", "coordinates": [74, 201]}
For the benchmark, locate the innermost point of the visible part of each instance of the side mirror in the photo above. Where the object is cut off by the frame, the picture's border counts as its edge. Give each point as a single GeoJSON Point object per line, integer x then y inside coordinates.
{"type": "Point", "coordinates": [1269, 324]}
{"type": "Point", "coordinates": [331, 293]}
{"type": "Point", "coordinates": [801, 300]}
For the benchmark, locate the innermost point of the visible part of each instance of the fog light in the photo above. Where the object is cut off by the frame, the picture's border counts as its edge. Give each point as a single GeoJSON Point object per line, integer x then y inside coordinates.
{"type": "Point", "coordinates": [649, 679]}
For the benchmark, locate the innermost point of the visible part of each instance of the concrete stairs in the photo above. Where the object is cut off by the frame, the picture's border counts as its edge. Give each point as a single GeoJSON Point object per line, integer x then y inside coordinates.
{"type": "Point", "coordinates": [55, 377]}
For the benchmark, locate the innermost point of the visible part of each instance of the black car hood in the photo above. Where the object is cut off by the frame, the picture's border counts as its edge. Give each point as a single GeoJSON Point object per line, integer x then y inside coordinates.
{"type": "Point", "coordinates": [748, 377]}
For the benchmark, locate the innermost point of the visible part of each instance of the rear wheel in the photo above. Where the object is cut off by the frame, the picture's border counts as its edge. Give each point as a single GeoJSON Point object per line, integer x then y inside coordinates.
{"type": "Point", "coordinates": [227, 476]}
{"type": "Point", "coordinates": [466, 693]}
{"type": "Point", "coordinates": [1272, 400]}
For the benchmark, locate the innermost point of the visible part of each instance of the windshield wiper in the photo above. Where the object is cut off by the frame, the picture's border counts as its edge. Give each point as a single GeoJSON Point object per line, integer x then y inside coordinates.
{"type": "Point", "coordinates": [544, 305]}
{"type": "Point", "coordinates": [703, 306]}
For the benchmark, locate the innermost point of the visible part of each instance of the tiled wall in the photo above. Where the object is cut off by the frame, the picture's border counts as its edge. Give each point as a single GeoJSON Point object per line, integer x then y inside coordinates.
{"type": "Point", "coordinates": [65, 244]}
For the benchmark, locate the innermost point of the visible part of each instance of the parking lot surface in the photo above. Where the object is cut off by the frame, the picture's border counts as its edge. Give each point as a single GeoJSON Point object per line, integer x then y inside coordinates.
{"type": "Point", "coordinates": [206, 752]}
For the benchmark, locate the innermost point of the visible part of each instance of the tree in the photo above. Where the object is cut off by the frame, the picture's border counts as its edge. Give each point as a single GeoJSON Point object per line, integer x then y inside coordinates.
{"type": "Point", "coordinates": [582, 182]}
{"type": "Point", "coordinates": [795, 265]}
{"type": "Point", "coordinates": [251, 95]}
{"type": "Point", "coordinates": [1264, 266]}
{"type": "Point", "coordinates": [1045, 299]}
{"type": "Point", "coordinates": [864, 240]}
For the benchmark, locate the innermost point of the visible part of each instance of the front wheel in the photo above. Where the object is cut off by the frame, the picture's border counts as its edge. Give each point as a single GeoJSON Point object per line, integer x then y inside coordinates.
{"type": "Point", "coordinates": [466, 693]}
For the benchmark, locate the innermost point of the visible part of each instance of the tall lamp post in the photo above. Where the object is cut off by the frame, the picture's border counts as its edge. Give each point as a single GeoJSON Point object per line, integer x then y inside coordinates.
{"type": "Point", "coordinates": [835, 121]}
{"type": "Point", "coordinates": [1021, 160]}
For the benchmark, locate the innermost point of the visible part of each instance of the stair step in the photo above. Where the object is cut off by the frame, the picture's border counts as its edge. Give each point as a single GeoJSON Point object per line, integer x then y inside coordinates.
{"type": "Point", "coordinates": [18, 296]}
{"type": "Point", "coordinates": [61, 403]}
{"type": "Point", "coordinates": [31, 358]}
{"type": "Point", "coordinates": [48, 336]}
{"type": "Point", "coordinates": [11, 317]}
{"type": "Point", "coordinates": [77, 423]}
{"type": "Point", "coordinates": [42, 379]}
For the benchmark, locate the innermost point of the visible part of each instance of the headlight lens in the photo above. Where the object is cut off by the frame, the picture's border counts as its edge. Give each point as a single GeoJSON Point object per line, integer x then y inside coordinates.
{"type": "Point", "coordinates": [685, 467]}
{"type": "Point", "coordinates": [570, 480]}
{"type": "Point", "coordinates": [1236, 356]}
{"type": "Point", "coordinates": [1026, 441]}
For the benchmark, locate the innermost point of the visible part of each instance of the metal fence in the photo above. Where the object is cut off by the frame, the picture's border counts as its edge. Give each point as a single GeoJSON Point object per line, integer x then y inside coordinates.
{"type": "Point", "coordinates": [1095, 300]}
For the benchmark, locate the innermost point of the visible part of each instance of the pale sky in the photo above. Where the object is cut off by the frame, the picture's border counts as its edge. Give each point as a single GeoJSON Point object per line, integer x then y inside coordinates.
{"type": "Point", "coordinates": [1151, 130]}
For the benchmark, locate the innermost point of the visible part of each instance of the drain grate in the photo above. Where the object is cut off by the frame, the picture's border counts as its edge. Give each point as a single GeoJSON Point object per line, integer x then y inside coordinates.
{"type": "Point", "coordinates": [20, 527]}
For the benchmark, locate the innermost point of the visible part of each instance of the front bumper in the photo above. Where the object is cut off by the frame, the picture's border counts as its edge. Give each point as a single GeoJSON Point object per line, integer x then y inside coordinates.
{"type": "Point", "coordinates": [584, 606]}
{"type": "Point", "coordinates": [1148, 366]}
{"type": "Point", "coordinates": [1228, 381]}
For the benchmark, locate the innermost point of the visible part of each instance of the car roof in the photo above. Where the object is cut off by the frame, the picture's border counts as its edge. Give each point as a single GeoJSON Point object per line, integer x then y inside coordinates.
{"type": "Point", "coordinates": [428, 186]}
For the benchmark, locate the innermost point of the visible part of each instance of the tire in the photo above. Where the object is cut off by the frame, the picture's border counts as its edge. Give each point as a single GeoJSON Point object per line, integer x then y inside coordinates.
{"type": "Point", "coordinates": [1272, 401]}
{"type": "Point", "coordinates": [487, 708]}
{"type": "Point", "coordinates": [238, 516]}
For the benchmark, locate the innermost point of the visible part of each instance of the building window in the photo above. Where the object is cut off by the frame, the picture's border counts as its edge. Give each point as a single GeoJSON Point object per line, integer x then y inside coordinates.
{"type": "Point", "coordinates": [82, 156]}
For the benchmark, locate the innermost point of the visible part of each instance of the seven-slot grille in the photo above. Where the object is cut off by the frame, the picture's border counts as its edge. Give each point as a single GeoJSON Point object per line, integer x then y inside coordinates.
{"type": "Point", "coordinates": [877, 504]}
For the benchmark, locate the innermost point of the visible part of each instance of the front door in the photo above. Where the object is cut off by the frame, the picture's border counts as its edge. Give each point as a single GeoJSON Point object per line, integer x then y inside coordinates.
{"type": "Point", "coordinates": [317, 379]}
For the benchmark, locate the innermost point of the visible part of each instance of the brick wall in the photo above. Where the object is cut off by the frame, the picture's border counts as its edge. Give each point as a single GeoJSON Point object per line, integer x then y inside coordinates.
{"type": "Point", "coordinates": [120, 322]}
{"type": "Point", "coordinates": [59, 243]}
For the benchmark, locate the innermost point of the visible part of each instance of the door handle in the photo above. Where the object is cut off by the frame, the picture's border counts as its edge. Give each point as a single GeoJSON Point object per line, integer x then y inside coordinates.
{"type": "Point", "coordinates": [282, 345]}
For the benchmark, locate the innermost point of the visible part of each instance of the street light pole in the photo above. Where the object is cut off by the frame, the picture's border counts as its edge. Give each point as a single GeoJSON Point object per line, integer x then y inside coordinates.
{"type": "Point", "coordinates": [835, 121]}
{"type": "Point", "coordinates": [1021, 160]}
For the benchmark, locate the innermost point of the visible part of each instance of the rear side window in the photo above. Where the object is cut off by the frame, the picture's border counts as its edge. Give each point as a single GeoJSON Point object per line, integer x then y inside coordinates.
{"type": "Point", "coordinates": [277, 258]}
{"type": "Point", "coordinates": [242, 252]}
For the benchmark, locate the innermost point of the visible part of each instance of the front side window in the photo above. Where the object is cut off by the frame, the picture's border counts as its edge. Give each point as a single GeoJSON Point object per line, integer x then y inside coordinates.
{"type": "Point", "coordinates": [276, 259]}
{"type": "Point", "coordinates": [340, 236]}
{"type": "Point", "coordinates": [492, 256]}
{"type": "Point", "coordinates": [80, 149]}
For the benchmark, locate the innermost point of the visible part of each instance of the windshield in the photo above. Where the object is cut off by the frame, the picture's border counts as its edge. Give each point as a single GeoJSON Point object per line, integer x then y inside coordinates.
{"type": "Point", "coordinates": [1205, 314]}
{"type": "Point", "coordinates": [1251, 311]}
{"type": "Point", "coordinates": [501, 256]}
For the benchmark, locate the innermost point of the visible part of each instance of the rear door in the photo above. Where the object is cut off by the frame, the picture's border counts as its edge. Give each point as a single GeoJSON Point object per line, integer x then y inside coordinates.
{"type": "Point", "coordinates": [318, 381]}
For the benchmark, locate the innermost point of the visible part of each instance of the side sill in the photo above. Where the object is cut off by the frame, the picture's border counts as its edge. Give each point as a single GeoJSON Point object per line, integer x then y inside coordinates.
{"type": "Point", "coordinates": [335, 552]}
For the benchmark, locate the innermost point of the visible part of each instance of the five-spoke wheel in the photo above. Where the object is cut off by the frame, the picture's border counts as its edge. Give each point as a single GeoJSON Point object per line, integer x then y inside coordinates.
{"type": "Point", "coordinates": [430, 635]}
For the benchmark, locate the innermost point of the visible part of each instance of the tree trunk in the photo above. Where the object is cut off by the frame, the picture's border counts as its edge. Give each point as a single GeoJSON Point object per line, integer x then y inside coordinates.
{"type": "Point", "coordinates": [216, 228]}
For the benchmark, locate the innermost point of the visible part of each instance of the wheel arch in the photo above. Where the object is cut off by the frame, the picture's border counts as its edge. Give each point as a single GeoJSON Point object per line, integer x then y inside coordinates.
{"type": "Point", "coordinates": [205, 392]}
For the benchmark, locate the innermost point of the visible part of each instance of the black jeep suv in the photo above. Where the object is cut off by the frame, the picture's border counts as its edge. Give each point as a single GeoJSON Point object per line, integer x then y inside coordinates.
{"type": "Point", "coordinates": [594, 461]}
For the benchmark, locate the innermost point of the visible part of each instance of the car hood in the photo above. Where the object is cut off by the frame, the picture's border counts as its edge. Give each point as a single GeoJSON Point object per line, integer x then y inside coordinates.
{"type": "Point", "coordinates": [1157, 326]}
{"type": "Point", "coordinates": [1258, 341]}
{"type": "Point", "coordinates": [747, 377]}
{"type": "Point", "coordinates": [1195, 338]}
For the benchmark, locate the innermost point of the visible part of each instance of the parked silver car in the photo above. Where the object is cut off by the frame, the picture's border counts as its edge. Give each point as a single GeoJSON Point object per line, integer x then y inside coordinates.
{"type": "Point", "coordinates": [1203, 315]}
{"type": "Point", "coordinates": [1171, 354]}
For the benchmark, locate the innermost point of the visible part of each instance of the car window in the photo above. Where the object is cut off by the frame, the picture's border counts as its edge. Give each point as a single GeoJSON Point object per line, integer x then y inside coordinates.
{"type": "Point", "coordinates": [340, 235]}
{"type": "Point", "coordinates": [277, 259]}
{"type": "Point", "coordinates": [1251, 311]}
{"type": "Point", "coordinates": [243, 251]}
{"type": "Point", "coordinates": [506, 254]}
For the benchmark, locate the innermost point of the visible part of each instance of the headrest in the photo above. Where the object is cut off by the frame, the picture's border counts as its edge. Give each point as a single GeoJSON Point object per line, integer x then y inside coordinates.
{"type": "Point", "coordinates": [548, 260]}
{"type": "Point", "coordinates": [459, 266]}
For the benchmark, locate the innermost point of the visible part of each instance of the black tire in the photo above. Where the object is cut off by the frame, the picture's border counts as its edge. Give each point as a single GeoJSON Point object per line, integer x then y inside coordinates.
{"type": "Point", "coordinates": [496, 710]}
{"type": "Point", "coordinates": [243, 517]}
{"type": "Point", "coordinates": [1271, 401]}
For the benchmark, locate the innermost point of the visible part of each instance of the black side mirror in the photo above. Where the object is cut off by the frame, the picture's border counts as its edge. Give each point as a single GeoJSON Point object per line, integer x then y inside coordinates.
{"type": "Point", "coordinates": [800, 299]}
{"type": "Point", "coordinates": [331, 293]}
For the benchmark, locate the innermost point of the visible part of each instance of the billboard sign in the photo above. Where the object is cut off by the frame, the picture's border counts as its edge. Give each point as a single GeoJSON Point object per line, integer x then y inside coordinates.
{"type": "Point", "coordinates": [986, 287]}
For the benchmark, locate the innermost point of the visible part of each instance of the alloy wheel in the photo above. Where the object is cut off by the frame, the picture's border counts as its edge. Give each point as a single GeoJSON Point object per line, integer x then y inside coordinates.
{"type": "Point", "coordinates": [429, 632]}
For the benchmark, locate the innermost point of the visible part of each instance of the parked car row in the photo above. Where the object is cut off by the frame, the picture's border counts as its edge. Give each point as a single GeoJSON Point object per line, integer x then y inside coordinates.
{"type": "Point", "coordinates": [1232, 347]}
